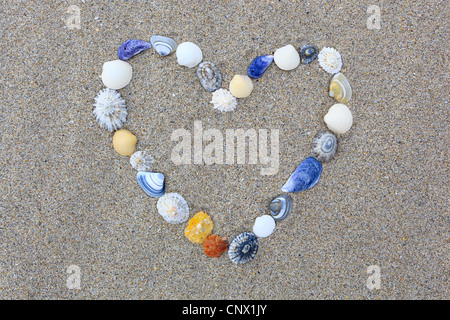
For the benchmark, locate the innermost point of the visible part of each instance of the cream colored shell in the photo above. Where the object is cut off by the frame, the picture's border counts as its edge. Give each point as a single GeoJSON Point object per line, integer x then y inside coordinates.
{"type": "Point", "coordinates": [339, 118]}
{"type": "Point", "coordinates": [340, 88]}
{"type": "Point", "coordinates": [286, 58]}
{"type": "Point", "coordinates": [116, 74]}
{"type": "Point", "coordinates": [241, 86]}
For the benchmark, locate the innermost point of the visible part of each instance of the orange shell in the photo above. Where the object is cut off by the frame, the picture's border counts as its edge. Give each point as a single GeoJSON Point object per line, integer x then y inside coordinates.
{"type": "Point", "coordinates": [214, 246]}
{"type": "Point", "coordinates": [199, 227]}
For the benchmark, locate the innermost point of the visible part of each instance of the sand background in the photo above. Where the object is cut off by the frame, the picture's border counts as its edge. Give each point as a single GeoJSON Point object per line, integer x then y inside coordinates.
{"type": "Point", "coordinates": [67, 198]}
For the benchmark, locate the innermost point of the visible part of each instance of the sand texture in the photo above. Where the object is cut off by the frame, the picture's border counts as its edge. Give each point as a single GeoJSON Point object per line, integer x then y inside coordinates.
{"type": "Point", "coordinates": [69, 199]}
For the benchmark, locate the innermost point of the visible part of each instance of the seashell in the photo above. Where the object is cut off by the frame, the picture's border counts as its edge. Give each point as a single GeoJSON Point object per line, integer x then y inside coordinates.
{"type": "Point", "coordinates": [124, 142]}
{"type": "Point", "coordinates": [304, 177]}
{"type": "Point", "coordinates": [152, 183]}
{"type": "Point", "coordinates": [259, 65]}
{"type": "Point", "coordinates": [173, 208]}
{"type": "Point", "coordinates": [243, 248]}
{"type": "Point", "coordinates": [339, 118]}
{"type": "Point", "coordinates": [264, 226]}
{"type": "Point", "coordinates": [281, 207]}
{"type": "Point", "coordinates": [209, 76]}
{"type": "Point", "coordinates": [241, 86]}
{"type": "Point", "coordinates": [340, 88]}
{"type": "Point", "coordinates": [330, 60]}
{"type": "Point", "coordinates": [308, 53]}
{"type": "Point", "coordinates": [324, 146]}
{"type": "Point", "coordinates": [163, 45]}
{"type": "Point", "coordinates": [131, 48]}
{"type": "Point", "coordinates": [110, 110]}
{"type": "Point", "coordinates": [214, 246]}
{"type": "Point", "coordinates": [223, 100]}
{"type": "Point", "coordinates": [116, 74]}
{"type": "Point", "coordinates": [199, 227]}
{"type": "Point", "coordinates": [189, 54]}
{"type": "Point", "coordinates": [141, 160]}
{"type": "Point", "coordinates": [286, 58]}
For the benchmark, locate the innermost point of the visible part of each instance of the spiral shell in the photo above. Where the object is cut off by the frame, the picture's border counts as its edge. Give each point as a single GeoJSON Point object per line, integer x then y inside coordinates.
{"type": "Point", "coordinates": [340, 88]}
{"type": "Point", "coordinates": [324, 146]}
{"type": "Point", "coordinates": [152, 183]}
{"type": "Point", "coordinates": [308, 53]}
{"type": "Point", "coordinates": [281, 206]}
{"type": "Point", "coordinates": [163, 45]}
{"type": "Point", "coordinates": [209, 76]}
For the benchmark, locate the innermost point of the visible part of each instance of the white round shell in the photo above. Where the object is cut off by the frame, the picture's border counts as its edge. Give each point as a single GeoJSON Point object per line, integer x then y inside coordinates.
{"type": "Point", "coordinates": [173, 208]}
{"type": "Point", "coordinates": [286, 58]}
{"type": "Point", "coordinates": [116, 74]}
{"type": "Point", "coordinates": [339, 118]}
{"type": "Point", "coordinates": [189, 54]}
{"type": "Point", "coordinates": [264, 226]}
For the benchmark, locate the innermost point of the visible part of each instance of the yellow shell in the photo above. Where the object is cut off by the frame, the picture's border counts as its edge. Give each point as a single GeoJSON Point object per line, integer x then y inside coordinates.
{"type": "Point", "coordinates": [340, 88]}
{"type": "Point", "coordinates": [241, 86]}
{"type": "Point", "coordinates": [199, 227]}
{"type": "Point", "coordinates": [124, 142]}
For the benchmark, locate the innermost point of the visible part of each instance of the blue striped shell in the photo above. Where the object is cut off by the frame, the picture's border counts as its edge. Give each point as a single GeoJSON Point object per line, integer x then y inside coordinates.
{"type": "Point", "coordinates": [152, 183]}
{"type": "Point", "coordinates": [243, 248]}
{"type": "Point", "coordinates": [163, 45]}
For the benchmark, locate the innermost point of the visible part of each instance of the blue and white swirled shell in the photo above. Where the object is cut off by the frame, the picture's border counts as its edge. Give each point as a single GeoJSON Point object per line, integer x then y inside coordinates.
{"type": "Point", "coordinates": [304, 177]}
{"type": "Point", "coordinates": [152, 183]}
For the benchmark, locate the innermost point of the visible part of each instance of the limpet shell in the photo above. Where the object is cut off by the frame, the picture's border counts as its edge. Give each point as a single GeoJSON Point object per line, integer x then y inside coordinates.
{"type": "Point", "coordinates": [116, 74]}
{"type": "Point", "coordinates": [340, 88]}
{"type": "Point", "coordinates": [124, 142]}
{"type": "Point", "coordinates": [209, 76]}
{"type": "Point", "coordinates": [163, 45]}
{"type": "Point", "coordinates": [330, 60]}
{"type": "Point", "coordinates": [214, 246]}
{"type": "Point", "coordinates": [189, 54]}
{"type": "Point", "coordinates": [324, 146]}
{"type": "Point", "coordinates": [241, 86]}
{"type": "Point", "coordinates": [173, 208]}
{"type": "Point", "coordinates": [152, 183]}
{"type": "Point", "coordinates": [286, 58]}
{"type": "Point", "coordinates": [199, 227]}
{"type": "Point", "coordinates": [308, 53]}
{"type": "Point", "coordinates": [339, 118]}
{"type": "Point", "coordinates": [281, 207]}
{"type": "Point", "coordinates": [243, 248]}
{"type": "Point", "coordinates": [264, 226]}
{"type": "Point", "coordinates": [304, 177]}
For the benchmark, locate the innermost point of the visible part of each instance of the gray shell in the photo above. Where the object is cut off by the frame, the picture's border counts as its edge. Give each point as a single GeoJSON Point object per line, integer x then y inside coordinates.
{"type": "Point", "coordinates": [308, 53]}
{"type": "Point", "coordinates": [281, 207]}
{"type": "Point", "coordinates": [324, 146]}
{"type": "Point", "coordinates": [209, 76]}
{"type": "Point", "coordinates": [163, 45]}
{"type": "Point", "coordinates": [243, 248]}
